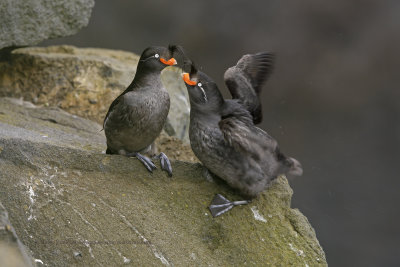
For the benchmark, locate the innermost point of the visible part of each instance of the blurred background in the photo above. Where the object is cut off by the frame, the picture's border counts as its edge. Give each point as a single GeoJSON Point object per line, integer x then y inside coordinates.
{"type": "Point", "coordinates": [333, 101]}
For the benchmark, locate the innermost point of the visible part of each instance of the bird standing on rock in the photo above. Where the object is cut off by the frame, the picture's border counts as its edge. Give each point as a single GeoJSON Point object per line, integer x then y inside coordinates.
{"type": "Point", "coordinates": [223, 134]}
{"type": "Point", "coordinates": [136, 117]}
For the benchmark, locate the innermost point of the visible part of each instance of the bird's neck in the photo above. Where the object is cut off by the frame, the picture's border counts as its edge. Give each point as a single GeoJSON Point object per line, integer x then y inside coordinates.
{"type": "Point", "coordinates": [146, 80]}
{"type": "Point", "coordinates": [205, 119]}
{"type": "Point", "coordinates": [211, 115]}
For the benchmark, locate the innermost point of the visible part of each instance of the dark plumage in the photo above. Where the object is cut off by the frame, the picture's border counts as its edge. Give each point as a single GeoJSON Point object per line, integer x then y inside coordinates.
{"type": "Point", "coordinates": [245, 81]}
{"type": "Point", "coordinates": [222, 132]}
{"type": "Point", "coordinates": [137, 116]}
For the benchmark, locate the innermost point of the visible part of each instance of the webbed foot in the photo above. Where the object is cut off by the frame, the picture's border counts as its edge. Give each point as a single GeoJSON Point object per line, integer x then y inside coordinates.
{"type": "Point", "coordinates": [143, 159]}
{"type": "Point", "coordinates": [165, 163]}
{"type": "Point", "coordinates": [219, 205]}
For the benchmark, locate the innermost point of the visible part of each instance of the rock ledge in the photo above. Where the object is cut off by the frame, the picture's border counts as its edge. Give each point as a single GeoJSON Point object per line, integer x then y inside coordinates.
{"type": "Point", "coordinates": [70, 204]}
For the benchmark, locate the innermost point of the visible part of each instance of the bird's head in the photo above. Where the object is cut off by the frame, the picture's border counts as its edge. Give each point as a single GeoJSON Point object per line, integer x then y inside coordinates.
{"type": "Point", "coordinates": [179, 54]}
{"type": "Point", "coordinates": [203, 91]}
{"type": "Point", "coordinates": [156, 58]}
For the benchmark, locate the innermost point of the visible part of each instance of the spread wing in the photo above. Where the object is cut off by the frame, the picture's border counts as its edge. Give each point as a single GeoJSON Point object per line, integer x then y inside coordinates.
{"type": "Point", "coordinates": [245, 81]}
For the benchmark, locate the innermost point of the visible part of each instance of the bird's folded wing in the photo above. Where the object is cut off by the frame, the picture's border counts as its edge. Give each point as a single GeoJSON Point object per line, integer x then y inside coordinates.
{"type": "Point", "coordinates": [246, 79]}
{"type": "Point", "coordinates": [122, 114]}
{"type": "Point", "coordinates": [239, 136]}
{"type": "Point", "coordinates": [237, 128]}
{"type": "Point", "coordinates": [111, 109]}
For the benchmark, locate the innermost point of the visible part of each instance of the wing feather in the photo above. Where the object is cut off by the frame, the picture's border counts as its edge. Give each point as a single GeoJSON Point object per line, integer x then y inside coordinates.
{"type": "Point", "coordinates": [238, 135]}
{"type": "Point", "coordinates": [239, 131]}
{"type": "Point", "coordinates": [245, 80]}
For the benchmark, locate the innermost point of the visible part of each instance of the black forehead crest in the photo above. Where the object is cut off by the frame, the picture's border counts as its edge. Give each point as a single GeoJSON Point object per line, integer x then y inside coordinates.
{"type": "Point", "coordinates": [193, 69]}
{"type": "Point", "coordinates": [154, 49]}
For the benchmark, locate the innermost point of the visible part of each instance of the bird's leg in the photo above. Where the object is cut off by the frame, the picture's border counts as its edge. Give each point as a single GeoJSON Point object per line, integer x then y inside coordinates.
{"type": "Point", "coordinates": [145, 160]}
{"type": "Point", "coordinates": [151, 150]}
{"type": "Point", "coordinates": [165, 163]}
{"type": "Point", "coordinates": [208, 175]}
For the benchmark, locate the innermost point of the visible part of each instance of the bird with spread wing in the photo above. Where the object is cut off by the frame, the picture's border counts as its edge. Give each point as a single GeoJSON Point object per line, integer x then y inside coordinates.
{"type": "Point", "coordinates": [223, 132]}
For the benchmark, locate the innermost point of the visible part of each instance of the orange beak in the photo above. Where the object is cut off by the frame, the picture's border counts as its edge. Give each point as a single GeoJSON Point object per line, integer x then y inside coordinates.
{"type": "Point", "coordinates": [187, 80]}
{"type": "Point", "coordinates": [170, 62]}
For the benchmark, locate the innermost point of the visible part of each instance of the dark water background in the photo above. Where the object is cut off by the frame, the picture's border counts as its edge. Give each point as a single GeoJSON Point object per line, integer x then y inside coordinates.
{"type": "Point", "coordinates": [333, 101]}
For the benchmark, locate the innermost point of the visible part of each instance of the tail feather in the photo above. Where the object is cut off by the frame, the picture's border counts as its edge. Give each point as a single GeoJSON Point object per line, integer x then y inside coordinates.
{"type": "Point", "coordinates": [295, 167]}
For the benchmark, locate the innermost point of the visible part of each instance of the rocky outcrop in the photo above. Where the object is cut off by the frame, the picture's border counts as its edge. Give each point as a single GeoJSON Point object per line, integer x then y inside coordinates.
{"type": "Point", "coordinates": [84, 81]}
{"type": "Point", "coordinates": [71, 204]}
{"type": "Point", "coordinates": [28, 22]}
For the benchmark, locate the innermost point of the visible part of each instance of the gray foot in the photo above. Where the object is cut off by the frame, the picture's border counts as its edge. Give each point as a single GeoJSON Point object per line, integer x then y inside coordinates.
{"type": "Point", "coordinates": [143, 159]}
{"type": "Point", "coordinates": [165, 163]}
{"type": "Point", "coordinates": [219, 205]}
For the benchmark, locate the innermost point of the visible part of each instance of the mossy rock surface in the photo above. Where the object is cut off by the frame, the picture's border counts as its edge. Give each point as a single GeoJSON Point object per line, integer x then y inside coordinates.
{"type": "Point", "coordinates": [71, 204]}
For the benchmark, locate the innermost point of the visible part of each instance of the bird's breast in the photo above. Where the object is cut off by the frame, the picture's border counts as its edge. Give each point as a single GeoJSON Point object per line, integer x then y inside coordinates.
{"type": "Point", "coordinates": [208, 144]}
{"type": "Point", "coordinates": [137, 121]}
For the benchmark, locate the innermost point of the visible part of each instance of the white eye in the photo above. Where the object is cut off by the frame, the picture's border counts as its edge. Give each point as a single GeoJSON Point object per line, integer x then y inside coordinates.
{"type": "Point", "coordinates": [156, 55]}
{"type": "Point", "coordinates": [199, 84]}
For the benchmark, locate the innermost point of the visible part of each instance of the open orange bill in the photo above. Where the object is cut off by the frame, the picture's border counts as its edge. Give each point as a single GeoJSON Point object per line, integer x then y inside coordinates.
{"type": "Point", "coordinates": [186, 79]}
{"type": "Point", "coordinates": [169, 62]}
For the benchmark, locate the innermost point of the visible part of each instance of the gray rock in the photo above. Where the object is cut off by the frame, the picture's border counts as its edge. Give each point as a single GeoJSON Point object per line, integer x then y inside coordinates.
{"type": "Point", "coordinates": [84, 81]}
{"type": "Point", "coordinates": [71, 204]}
{"type": "Point", "coordinates": [28, 22]}
{"type": "Point", "coordinates": [12, 252]}
{"type": "Point", "coordinates": [179, 112]}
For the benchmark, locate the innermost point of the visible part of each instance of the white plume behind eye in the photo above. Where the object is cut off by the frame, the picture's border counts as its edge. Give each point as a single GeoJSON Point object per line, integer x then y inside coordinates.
{"type": "Point", "coordinates": [200, 85]}
{"type": "Point", "coordinates": [155, 56]}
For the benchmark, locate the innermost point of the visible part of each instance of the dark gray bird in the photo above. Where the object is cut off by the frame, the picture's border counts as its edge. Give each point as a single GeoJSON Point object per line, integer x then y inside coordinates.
{"type": "Point", "coordinates": [137, 116]}
{"type": "Point", "coordinates": [223, 134]}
